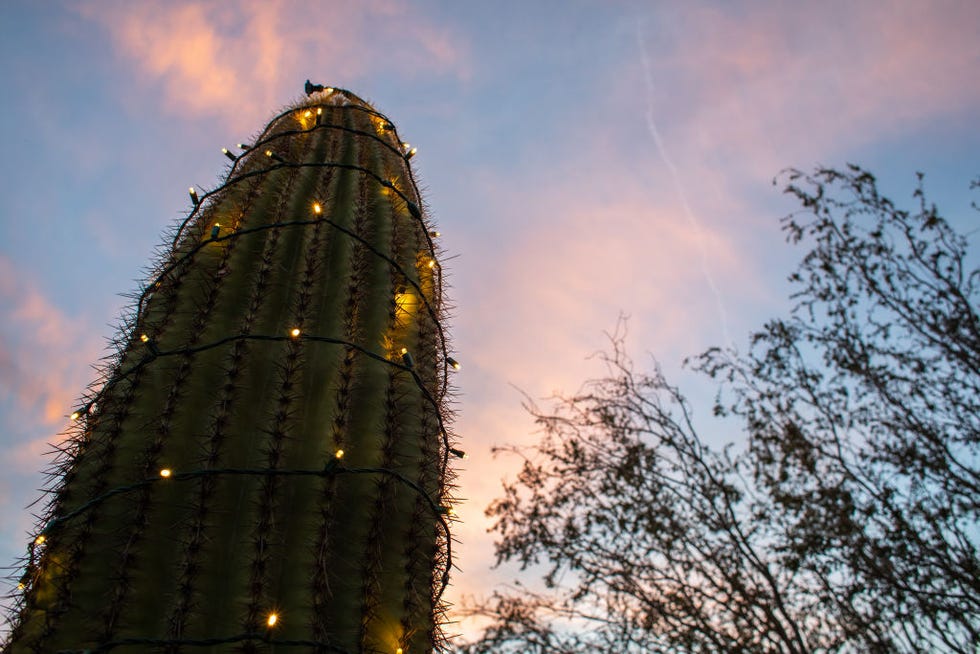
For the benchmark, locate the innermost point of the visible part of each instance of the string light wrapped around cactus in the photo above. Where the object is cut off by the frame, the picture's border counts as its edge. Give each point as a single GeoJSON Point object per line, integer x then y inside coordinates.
{"type": "Point", "coordinates": [265, 462]}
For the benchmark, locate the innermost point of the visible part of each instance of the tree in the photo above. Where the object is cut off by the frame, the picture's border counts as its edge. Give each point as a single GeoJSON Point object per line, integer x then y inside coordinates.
{"type": "Point", "coordinates": [847, 521]}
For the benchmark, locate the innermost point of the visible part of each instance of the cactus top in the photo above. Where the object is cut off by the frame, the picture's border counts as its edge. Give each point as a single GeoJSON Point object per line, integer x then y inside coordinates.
{"type": "Point", "coordinates": [264, 464]}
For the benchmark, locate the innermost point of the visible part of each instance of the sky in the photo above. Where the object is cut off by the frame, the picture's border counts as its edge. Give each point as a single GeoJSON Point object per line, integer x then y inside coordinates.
{"type": "Point", "coordinates": [583, 160]}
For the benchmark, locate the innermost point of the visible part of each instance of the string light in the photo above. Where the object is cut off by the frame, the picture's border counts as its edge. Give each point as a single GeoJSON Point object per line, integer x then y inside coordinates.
{"type": "Point", "coordinates": [409, 150]}
{"type": "Point", "coordinates": [405, 302]}
{"type": "Point", "coordinates": [319, 115]}
{"type": "Point", "coordinates": [435, 234]}
{"type": "Point", "coordinates": [453, 363]}
{"type": "Point", "coordinates": [150, 345]}
{"type": "Point", "coordinates": [307, 114]}
{"type": "Point", "coordinates": [312, 88]}
{"type": "Point", "coordinates": [398, 651]}
{"type": "Point", "coordinates": [459, 454]}
{"type": "Point", "coordinates": [272, 617]}
{"type": "Point", "coordinates": [21, 586]}
{"type": "Point", "coordinates": [317, 209]}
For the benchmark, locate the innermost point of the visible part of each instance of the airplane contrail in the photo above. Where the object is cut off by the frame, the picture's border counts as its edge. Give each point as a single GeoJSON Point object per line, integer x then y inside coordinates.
{"type": "Point", "coordinates": [679, 188]}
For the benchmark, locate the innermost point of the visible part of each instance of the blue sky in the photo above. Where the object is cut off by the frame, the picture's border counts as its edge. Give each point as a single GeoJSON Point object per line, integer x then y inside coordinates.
{"type": "Point", "coordinates": [582, 159]}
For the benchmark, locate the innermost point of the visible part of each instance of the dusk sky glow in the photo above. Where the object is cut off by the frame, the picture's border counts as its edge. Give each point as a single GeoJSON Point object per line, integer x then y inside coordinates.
{"type": "Point", "coordinates": [582, 160]}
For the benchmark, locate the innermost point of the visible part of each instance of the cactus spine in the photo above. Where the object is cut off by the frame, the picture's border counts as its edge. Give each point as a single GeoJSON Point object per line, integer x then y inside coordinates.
{"type": "Point", "coordinates": [264, 465]}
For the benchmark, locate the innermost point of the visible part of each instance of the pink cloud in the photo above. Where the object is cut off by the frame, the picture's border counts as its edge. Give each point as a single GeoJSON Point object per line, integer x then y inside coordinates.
{"type": "Point", "coordinates": [44, 356]}
{"type": "Point", "coordinates": [236, 60]}
{"type": "Point", "coordinates": [792, 84]}
{"type": "Point", "coordinates": [562, 276]}
{"type": "Point", "coordinates": [569, 255]}
{"type": "Point", "coordinates": [737, 96]}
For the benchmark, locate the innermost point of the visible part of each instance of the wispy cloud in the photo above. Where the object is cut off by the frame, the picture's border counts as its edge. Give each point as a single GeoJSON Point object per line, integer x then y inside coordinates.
{"type": "Point", "coordinates": [44, 354]}
{"type": "Point", "coordinates": [737, 94]}
{"type": "Point", "coordinates": [236, 60]}
{"type": "Point", "coordinates": [762, 89]}
{"type": "Point", "coordinates": [45, 358]}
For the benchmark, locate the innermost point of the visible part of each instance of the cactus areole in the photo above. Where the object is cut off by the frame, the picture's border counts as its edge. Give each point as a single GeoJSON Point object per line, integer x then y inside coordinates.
{"type": "Point", "coordinates": [264, 464]}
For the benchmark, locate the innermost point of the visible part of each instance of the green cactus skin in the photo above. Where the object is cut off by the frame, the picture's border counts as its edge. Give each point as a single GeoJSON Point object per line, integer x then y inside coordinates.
{"type": "Point", "coordinates": [258, 515]}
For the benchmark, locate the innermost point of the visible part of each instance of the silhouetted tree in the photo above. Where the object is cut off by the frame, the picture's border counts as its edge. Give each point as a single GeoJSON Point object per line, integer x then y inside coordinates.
{"type": "Point", "coordinates": [847, 519]}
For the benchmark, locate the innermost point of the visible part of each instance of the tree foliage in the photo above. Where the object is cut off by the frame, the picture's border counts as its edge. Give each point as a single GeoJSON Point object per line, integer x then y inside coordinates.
{"type": "Point", "coordinates": [846, 521]}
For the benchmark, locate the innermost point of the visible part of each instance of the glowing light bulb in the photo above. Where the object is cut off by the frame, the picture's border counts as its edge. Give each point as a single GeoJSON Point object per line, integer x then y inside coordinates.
{"type": "Point", "coordinates": [319, 115]}
{"type": "Point", "coordinates": [407, 358]}
{"type": "Point", "coordinates": [272, 619]}
{"type": "Point", "coordinates": [244, 146]}
{"type": "Point", "coordinates": [435, 234]}
{"type": "Point", "coordinates": [307, 114]}
{"type": "Point", "coordinates": [294, 332]}
{"type": "Point", "coordinates": [339, 454]}
{"type": "Point", "coordinates": [453, 363]}
{"type": "Point", "coordinates": [144, 338]}
{"type": "Point", "coordinates": [216, 230]}
{"type": "Point", "coordinates": [40, 540]}
{"type": "Point", "coordinates": [227, 153]}
{"type": "Point", "coordinates": [268, 153]}
{"type": "Point", "coordinates": [447, 510]}
{"type": "Point", "coordinates": [411, 153]}
{"type": "Point", "coordinates": [317, 209]}
{"type": "Point", "coordinates": [21, 586]}
{"type": "Point", "coordinates": [398, 651]}
{"type": "Point", "coordinates": [432, 263]}
{"type": "Point", "coordinates": [459, 454]}
{"type": "Point", "coordinates": [404, 351]}
{"type": "Point", "coordinates": [193, 193]}
{"type": "Point", "coordinates": [75, 415]}
{"type": "Point", "coordinates": [166, 472]}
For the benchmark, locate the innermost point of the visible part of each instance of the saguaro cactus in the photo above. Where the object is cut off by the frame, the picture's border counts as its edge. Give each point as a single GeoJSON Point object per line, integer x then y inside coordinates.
{"type": "Point", "coordinates": [264, 464]}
